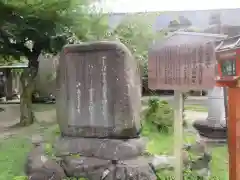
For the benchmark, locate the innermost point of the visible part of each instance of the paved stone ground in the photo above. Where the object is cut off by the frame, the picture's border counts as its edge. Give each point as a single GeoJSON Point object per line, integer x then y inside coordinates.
{"type": "Point", "coordinates": [10, 116]}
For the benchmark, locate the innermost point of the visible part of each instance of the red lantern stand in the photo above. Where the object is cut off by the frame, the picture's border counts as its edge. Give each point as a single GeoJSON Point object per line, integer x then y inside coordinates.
{"type": "Point", "coordinates": [228, 58]}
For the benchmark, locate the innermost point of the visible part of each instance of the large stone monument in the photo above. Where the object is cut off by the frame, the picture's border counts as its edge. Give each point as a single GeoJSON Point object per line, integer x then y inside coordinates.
{"type": "Point", "coordinates": [98, 92]}
{"type": "Point", "coordinates": [98, 111]}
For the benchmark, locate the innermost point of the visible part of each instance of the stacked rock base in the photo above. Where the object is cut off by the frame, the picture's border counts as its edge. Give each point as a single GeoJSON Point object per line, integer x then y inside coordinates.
{"type": "Point", "coordinates": [93, 159]}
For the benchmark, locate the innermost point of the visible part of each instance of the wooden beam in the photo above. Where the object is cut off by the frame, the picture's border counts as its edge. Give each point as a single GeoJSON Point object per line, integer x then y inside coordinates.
{"type": "Point", "coordinates": [178, 134]}
{"type": "Point", "coordinates": [234, 133]}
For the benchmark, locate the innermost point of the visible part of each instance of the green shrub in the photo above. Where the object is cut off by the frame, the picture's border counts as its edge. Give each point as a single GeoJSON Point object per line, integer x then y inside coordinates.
{"type": "Point", "coordinates": [159, 114]}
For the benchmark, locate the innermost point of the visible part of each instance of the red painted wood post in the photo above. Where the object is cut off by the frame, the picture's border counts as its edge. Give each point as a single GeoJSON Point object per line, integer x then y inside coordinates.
{"type": "Point", "coordinates": [234, 133]}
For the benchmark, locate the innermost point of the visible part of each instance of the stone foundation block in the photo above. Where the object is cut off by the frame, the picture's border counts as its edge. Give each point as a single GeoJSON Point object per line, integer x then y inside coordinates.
{"type": "Point", "coordinates": [110, 149]}
{"type": "Point", "coordinates": [97, 169]}
{"type": "Point", "coordinates": [84, 166]}
{"type": "Point", "coordinates": [135, 169]}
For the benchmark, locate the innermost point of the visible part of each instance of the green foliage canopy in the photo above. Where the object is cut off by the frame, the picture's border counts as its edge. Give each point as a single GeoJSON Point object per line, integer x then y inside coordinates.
{"type": "Point", "coordinates": [138, 37]}
{"type": "Point", "coordinates": [31, 27]}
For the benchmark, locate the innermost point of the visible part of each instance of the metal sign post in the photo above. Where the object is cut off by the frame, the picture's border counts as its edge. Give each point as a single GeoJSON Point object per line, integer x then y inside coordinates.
{"type": "Point", "coordinates": [181, 68]}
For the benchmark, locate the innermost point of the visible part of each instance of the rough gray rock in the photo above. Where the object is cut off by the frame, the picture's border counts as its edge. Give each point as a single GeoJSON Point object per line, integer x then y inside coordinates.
{"type": "Point", "coordinates": [95, 169]}
{"type": "Point", "coordinates": [37, 140]}
{"type": "Point", "coordinates": [135, 169]}
{"type": "Point", "coordinates": [39, 163]}
{"type": "Point", "coordinates": [199, 147]}
{"type": "Point", "coordinates": [84, 166]}
{"type": "Point", "coordinates": [44, 174]}
{"type": "Point", "coordinates": [110, 149]}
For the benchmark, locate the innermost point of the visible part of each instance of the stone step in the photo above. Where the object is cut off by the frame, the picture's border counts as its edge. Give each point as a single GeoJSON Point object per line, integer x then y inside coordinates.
{"type": "Point", "coordinates": [109, 149]}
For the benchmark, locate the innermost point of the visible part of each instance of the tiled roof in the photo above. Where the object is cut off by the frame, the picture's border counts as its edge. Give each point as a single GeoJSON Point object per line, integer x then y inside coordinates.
{"type": "Point", "coordinates": [178, 38]}
{"type": "Point", "coordinates": [199, 19]}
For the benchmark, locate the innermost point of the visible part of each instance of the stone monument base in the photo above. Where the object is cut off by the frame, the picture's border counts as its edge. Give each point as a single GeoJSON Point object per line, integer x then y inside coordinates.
{"type": "Point", "coordinates": [210, 129]}
{"type": "Point", "coordinates": [93, 159]}
{"type": "Point", "coordinates": [96, 169]}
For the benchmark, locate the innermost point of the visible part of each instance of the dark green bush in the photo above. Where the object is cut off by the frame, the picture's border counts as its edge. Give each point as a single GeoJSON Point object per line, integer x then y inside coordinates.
{"type": "Point", "coordinates": [159, 114]}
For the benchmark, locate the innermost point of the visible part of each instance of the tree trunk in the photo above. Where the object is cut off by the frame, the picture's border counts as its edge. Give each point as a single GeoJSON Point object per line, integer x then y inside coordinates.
{"type": "Point", "coordinates": [28, 79]}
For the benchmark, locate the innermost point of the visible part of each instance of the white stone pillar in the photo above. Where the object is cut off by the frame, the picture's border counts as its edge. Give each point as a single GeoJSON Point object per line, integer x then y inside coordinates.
{"type": "Point", "coordinates": [216, 108]}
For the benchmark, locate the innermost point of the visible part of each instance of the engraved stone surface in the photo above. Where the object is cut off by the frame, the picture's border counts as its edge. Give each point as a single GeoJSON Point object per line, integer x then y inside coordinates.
{"type": "Point", "coordinates": [98, 91]}
{"type": "Point", "coordinates": [110, 149]}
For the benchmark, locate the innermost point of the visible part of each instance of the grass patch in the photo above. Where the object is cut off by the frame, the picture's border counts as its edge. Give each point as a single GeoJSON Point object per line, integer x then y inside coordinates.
{"type": "Point", "coordinates": [14, 150]}
{"type": "Point", "coordinates": [163, 144]}
{"type": "Point", "coordinates": [219, 164]}
{"type": "Point", "coordinates": [12, 157]}
{"type": "Point", "coordinates": [197, 108]}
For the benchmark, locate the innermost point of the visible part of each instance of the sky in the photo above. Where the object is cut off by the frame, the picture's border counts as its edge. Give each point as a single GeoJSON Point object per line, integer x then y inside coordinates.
{"type": "Point", "coordinates": [124, 6]}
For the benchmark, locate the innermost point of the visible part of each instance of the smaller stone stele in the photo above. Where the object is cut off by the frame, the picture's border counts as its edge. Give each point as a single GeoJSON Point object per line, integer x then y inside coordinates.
{"type": "Point", "coordinates": [98, 91]}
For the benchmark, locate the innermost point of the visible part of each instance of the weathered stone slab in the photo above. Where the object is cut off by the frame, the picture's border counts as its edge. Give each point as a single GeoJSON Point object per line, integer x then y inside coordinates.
{"type": "Point", "coordinates": [137, 169]}
{"type": "Point", "coordinates": [110, 149]}
{"type": "Point", "coordinates": [98, 91]}
{"type": "Point", "coordinates": [43, 173]}
{"type": "Point", "coordinates": [95, 169]}
{"type": "Point", "coordinates": [85, 166]}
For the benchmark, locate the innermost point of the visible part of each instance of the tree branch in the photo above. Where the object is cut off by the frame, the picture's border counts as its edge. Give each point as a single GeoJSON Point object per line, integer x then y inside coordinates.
{"type": "Point", "coordinates": [10, 48]}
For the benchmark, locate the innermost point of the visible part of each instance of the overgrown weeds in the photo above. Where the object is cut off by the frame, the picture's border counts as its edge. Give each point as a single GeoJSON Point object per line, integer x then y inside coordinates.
{"type": "Point", "coordinates": [158, 116]}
